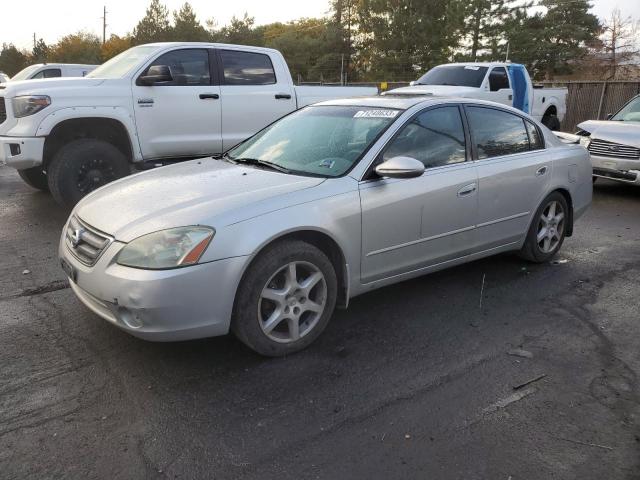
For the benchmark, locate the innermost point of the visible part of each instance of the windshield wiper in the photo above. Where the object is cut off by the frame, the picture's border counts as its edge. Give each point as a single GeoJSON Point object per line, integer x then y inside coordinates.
{"type": "Point", "coordinates": [263, 163]}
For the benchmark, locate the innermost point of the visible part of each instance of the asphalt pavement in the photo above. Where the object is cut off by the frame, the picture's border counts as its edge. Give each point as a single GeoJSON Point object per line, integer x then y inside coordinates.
{"type": "Point", "coordinates": [498, 369]}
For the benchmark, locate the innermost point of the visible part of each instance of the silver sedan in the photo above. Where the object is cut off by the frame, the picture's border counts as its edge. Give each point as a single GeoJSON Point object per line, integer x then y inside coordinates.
{"type": "Point", "coordinates": [332, 201]}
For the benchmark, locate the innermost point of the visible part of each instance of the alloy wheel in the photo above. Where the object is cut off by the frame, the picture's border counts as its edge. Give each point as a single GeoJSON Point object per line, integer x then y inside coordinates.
{"type": "Point", "coordinates": [550, 227]}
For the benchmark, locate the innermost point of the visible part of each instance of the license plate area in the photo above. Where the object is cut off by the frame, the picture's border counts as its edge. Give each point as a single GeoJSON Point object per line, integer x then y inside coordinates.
{"type": "Point", "coordinates": [69, 270]}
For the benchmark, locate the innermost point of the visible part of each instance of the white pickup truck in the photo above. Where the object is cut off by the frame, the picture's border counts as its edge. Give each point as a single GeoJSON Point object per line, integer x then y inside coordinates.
{"type": "Point", "coordinates": [53, 70]}
{"type": "Point", "coordinates": [501, 82]}
{"type": "Point", "coordinates": [152, 104]}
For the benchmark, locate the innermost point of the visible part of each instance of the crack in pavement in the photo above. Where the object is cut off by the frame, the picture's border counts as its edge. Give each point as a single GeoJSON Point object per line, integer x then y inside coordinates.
{"type": "Point", "coordinates": [46, 288]}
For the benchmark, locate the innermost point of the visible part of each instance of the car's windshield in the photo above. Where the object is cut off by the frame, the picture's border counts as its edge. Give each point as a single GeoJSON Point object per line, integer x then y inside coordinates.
{"type": "Point", "coordinates": [630, 112]}
{"type": "Point", "coordinates": [321, 140]}
{"type": "Point", "coordinates": [121, 64]}
{"type": "Point", "coordinates": [25, 73]}
{"type": "Point", "coordinates": [456, 75]}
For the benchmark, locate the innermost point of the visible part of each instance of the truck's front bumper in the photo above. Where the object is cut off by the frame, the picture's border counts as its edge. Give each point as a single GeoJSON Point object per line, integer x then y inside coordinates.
{"type": "Point", "coordinates": [619, 169]}
{"type": "Point", "coordinates": [21, 152]}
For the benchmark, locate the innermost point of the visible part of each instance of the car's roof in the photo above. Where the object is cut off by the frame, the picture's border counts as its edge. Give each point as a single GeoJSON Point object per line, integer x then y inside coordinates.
{"type": "Point", "coordinates": [208, 45]}
{"type": "Point", "coordinates": [406, 101]}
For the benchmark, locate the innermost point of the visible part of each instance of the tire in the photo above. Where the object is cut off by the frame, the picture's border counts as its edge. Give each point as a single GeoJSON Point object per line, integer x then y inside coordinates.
{"type": "Point", "coordinates": [268, 305]}
{"type": "Point", "coordinates": [545, 249]}
{"type": "Point", "coordinates": [551, 122]}
{"type": "Point", "coordinates": [83, 165]}
{"type": "Point", "coordinates": [35, 177]}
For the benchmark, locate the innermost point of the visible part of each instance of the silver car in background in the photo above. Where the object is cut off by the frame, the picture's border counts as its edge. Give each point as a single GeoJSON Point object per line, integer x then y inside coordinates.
{"type": "Point", "coordinates": [614, 144]}
{"type": "Point", "coordinates": [327, 203]}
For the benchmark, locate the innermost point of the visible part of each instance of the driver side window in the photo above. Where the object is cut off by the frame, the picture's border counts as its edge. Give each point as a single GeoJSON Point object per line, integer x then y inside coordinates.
{"type": "Point", "coordinates": [435, 137]}
{"type": "Point", "coordinates": [188, 67]}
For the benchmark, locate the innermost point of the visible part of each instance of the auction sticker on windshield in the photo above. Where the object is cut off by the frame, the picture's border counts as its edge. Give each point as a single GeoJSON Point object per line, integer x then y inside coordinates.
{"type": "Point", "coordinates": [376, 114]}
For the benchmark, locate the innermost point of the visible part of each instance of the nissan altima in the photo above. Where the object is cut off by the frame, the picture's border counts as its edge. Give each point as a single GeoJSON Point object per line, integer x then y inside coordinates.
{"type": "Point", "coordinates": [327, 203]}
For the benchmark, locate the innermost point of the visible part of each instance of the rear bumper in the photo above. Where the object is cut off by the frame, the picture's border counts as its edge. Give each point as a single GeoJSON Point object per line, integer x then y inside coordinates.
{"type": "Point", "coordinates": [619, 169]}
{"type": "Point", "coordinates": [21, 152]}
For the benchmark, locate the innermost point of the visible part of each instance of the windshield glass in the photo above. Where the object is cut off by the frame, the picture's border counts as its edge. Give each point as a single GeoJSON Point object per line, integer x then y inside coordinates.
{"type": "Point", "coordinates": [25, 73]}
{"type": "Point", "coordinates": [121, 64]}
{"type": "Point", "coordinates": [630, 112]}
{"type": "Point", "coordinates": [321, 141]}
{"type": "Point", "coordinates": [456, 75]}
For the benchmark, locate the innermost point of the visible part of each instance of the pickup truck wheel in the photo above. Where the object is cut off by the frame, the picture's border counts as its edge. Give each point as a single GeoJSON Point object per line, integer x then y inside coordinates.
{"type": "Point", "coordinates": [35, 177]}
{"type": "Point", "coordinates": [548, 229]}
{"type": "Point", "coordinates": [551, 122]}
{"type": "Point", "coordinates": [83, 165]}
{"type": "Point", "coordinates": [285, 299]}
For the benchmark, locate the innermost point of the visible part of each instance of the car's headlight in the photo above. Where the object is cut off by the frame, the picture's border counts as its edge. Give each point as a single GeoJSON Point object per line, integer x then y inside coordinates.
{"type": "Point", "coordinates": [176, 247]}
{"type": "Point", "coordinates": [585, 141]}
{"type": "Point", "coordinates": [29, 104]}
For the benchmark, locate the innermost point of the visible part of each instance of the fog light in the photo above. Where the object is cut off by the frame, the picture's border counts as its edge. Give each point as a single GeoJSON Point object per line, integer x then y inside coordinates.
{"type": "Point", "coordinates": [15, 149]}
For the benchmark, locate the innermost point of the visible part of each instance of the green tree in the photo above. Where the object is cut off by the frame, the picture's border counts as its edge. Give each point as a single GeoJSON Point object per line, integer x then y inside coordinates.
{"type": "Point", "coordinates": [81, 47]}
{"type": "Point", "coordinates": [154, 26]}
{"type": "Point", "coordinates": [186, 27]}
{"type": "Point", "coordinates": [242, 31]}
{"type": "Point", "coordinates": [398, 40]}
{"type": "Point", "coordinates": [40, 52]}
{"type": "Point", "coordinates": [12, 60]}
{"type": "Point", "coordinates": [485, 25]}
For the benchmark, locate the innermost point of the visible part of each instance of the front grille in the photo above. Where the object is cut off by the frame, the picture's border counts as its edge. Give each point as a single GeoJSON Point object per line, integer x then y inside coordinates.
{"type": "Point", "coordinates": [85, 242]}
{"type": "Point", "coordinates": [3, 110]}
{"type": "Point", "coordinates": [616, 150]}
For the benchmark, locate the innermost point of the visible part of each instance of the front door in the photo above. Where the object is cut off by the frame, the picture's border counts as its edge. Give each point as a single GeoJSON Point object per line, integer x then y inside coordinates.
{"type": "Point", "coordinates": [180, 118]}
{"type": "Point", "coordinates": [408, 224]}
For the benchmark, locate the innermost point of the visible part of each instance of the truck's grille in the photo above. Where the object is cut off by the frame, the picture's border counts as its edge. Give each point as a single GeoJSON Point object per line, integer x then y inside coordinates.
{"type": "Point", "coordinates": [3, 110]}
{"type": "Point", "coordinates": [610, 149]}
{"type": "Point", "coordinates": [85, 242]}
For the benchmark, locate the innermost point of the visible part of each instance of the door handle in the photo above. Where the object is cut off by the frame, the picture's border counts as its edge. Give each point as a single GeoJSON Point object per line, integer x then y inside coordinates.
{"type": "Point", "coordinates": [467, 190]}
{"type": "Point", "coordinates": [541, 171]}
{"type": "Point", "coordinates": [283, 96]}
{"type": "Point", "coordinates": [510, 97]}
{"type": "Point", "coordinates": [205, 96]}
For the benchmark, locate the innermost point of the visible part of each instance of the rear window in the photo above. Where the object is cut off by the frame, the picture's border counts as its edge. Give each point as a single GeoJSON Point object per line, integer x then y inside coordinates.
{"type": "Point", "coordinates": [247, 68]}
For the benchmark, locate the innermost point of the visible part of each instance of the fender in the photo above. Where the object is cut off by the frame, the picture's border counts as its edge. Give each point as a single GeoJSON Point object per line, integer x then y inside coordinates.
{"type": "Point", "coordinates": [119, 114]}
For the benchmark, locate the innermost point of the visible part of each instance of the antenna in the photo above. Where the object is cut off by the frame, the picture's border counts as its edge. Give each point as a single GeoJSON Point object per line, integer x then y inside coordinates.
{"type": "Point", "coordinates": [506, 57]}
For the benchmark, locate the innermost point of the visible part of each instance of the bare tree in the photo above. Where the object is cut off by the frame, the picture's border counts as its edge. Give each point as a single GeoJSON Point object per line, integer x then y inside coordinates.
{"type": "Point", "coordinates": [620, 42]}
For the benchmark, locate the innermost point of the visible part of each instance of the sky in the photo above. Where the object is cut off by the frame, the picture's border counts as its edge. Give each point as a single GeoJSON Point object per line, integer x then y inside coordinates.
{"type": "Point", "coordinates": [52, 19]}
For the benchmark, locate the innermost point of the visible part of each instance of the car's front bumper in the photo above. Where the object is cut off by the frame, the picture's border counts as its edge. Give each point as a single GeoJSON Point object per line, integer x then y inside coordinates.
{"type": "Point", "coordinates": [21, 152]}
{"type": "Point", "coordinates": [158, 305]}
{"type": "Point", "coordinates": [619, 169]}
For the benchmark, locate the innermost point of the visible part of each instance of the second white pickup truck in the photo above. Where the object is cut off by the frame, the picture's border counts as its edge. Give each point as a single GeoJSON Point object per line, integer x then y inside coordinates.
{"type": "Point", "coordinates": [150, 105]}
{"type": "Point", "coordinates": [501, 82]}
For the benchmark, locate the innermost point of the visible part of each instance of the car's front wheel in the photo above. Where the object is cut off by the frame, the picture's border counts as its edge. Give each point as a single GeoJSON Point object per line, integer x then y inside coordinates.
{"type": "Point", "coordinates": [285, 299]}
{"type": "Point", "coordinates": [548, 229]}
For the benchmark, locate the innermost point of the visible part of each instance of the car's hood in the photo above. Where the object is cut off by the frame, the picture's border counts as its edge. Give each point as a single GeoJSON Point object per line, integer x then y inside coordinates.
{"type": "Point", "coordinates": [626, 133]}
{"type": "Point", "coordinates": [199, 192]}
{"type": "Point", "coordinates": [435, 90]}
{"type": "Point", "coordinates": [28, 87]}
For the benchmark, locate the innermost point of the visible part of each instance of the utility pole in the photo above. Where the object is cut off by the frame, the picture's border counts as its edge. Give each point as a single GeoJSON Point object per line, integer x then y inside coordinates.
{"type": "Point", "coordinates": [104, 24]}
{"type": "Point", "coordinates": [34, 40]}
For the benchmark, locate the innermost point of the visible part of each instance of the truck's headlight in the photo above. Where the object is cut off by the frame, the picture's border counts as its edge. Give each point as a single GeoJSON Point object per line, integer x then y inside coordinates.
{"type": "Point", "coordinates": [29, 104]}
{"type": "Point", "coordinates": [176, 247]}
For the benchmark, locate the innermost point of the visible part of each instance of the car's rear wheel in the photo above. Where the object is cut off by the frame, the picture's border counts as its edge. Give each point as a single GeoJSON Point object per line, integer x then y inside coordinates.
{"type": "Point", "coordinates": [285, 299]}
{"type": "Point", "coordinates": [548, 229]}
{"type": "Point", "coordinates": [35, 177]}
{"type": "Point", "coordinates": [83, 165]}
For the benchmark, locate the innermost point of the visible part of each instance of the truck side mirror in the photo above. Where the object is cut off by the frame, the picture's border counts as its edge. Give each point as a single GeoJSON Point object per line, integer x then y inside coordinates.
{"type": "Point", "coordinates": [609, 116]}
{"type": "Point", "coordinates": [156, 74]}
{"type": "Point", "coordinates": [412, 83]}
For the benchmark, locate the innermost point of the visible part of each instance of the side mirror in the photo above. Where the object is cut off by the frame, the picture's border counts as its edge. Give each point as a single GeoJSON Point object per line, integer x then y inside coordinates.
{"type": "Point", "coordinates": [609, 116]}
{"type": "Point", "coordinates": [400, 167]}
{"type": "Point", "coordinates": [156, 74]}
{"type": "Point", "coordinates": [412, 83]}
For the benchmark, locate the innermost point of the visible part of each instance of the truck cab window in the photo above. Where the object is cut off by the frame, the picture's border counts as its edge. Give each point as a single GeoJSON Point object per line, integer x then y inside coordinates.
{"type": "Point", "coordinates": [48, 73]}
{"type": "Point", "coordinates": [247, 68]}
{"type": "Point", "coordinates": [498, 79]}
{"type": "Point", "coordinates": [189, 67]}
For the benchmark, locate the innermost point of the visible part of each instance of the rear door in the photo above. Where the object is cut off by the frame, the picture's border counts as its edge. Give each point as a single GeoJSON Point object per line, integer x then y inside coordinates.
{"type": "Point", "coordinates": [408, 224]}
{"type": "Point", "coordinates": [180, 118]}
{"type": "Point", "coordinates": [514, 171]}
{"type": "Point", "coordinates": [251, 94]}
